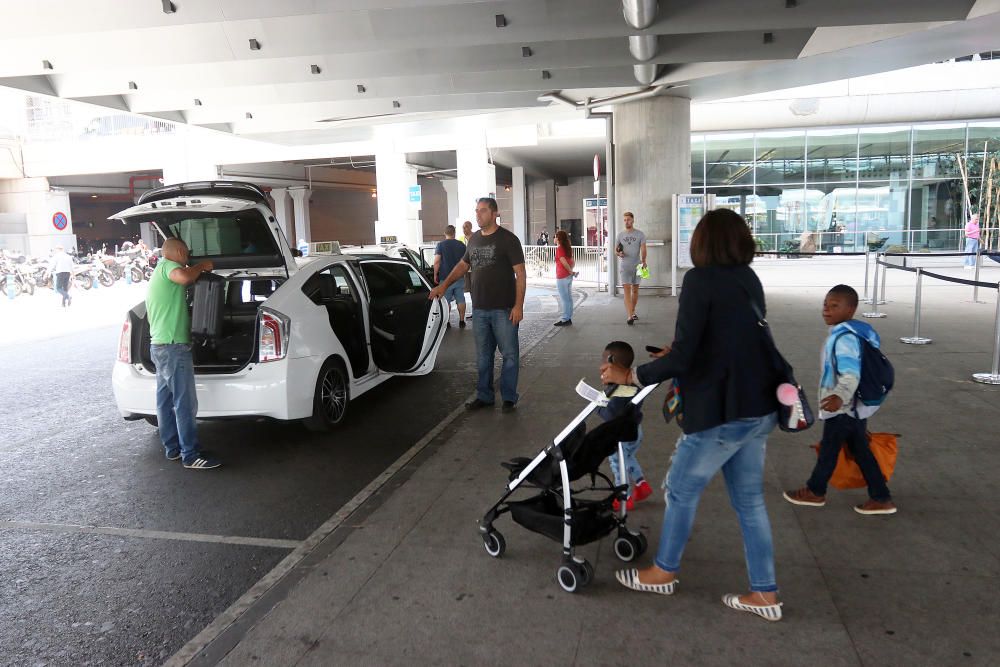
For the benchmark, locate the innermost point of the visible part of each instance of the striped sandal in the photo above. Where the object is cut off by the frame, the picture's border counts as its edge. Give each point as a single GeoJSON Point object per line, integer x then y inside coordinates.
{"type": "Point", "coordinates": [769, 612]}
{"type": "Point", "coordinates": [630, 579]}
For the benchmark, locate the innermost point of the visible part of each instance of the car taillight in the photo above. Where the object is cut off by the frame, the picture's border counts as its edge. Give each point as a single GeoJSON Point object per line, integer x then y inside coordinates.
{"type": "Point", "coordinates": [125, 343]}
{"type": "Point", "coordinates": [273, 342]}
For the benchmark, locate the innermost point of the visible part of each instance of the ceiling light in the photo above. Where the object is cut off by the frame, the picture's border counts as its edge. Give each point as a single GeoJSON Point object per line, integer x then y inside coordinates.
{"type": "Point", "coordinates": [93, 196]}
{"type": "Point", "coordinates": [361, 88]}
{"type": "Point", "coordinates": [525, 51]}
{"type": "Point", "coordinates": [169, 7]}
{"type": "Point", "coordinates": [396, 104]}
{"type": "Point", "coordinates": [315, 69]}
{"type": "Point", "coordinates": [197, 102]}
{"type": "Point", "coordinates": [768, 37]}
{"type": "Point", "coordinates": [249, 115]}
{"type": "Point", "coordinates": [546, 74]}
{"type": "Point", "coordinates": [46, 64]}
{"type": "Point", "coordinates": [132, 85]}
{"type": "Point", "coordinates": [254, 45]}
{"type": "Point", "coordinates": [501, 21]}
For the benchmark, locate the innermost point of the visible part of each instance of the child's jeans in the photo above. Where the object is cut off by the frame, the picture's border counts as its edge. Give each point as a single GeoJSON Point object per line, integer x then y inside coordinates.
{"type": "Point", "coordinates": [837, 431]}
{"type": "Point", "coordinates": [632, 470]}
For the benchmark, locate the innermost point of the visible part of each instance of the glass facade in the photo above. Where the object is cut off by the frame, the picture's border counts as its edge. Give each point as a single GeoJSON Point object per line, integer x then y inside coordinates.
{"type": "Point", "coordinates": [839, 188]}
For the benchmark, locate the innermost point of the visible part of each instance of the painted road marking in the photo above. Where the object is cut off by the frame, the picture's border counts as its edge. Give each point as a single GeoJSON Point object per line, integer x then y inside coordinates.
{"type": "Point", "coordinates": [152, 534]}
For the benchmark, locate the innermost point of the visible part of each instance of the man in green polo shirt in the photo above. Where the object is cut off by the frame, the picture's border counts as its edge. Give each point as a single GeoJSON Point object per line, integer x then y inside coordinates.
{"type": "Point", "coordinates": [170, 347]}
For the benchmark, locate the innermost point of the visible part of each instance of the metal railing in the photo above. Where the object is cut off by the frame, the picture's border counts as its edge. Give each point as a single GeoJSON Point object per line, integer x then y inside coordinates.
{"type": "Point", "coordinates": [591, 264]}
{"type": "Point", "coordinates": [931, 240]}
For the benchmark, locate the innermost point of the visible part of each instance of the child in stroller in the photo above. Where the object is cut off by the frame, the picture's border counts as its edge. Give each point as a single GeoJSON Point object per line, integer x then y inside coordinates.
{"type": "Point", "coordinates": [573, 516]}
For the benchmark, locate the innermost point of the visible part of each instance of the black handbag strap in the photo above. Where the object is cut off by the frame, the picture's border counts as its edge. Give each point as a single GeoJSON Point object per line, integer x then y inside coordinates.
{"type": "Point", "coordinates": [781, 365]}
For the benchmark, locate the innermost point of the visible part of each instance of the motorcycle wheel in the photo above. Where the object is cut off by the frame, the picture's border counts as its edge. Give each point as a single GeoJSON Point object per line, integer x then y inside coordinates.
{"type": "Point", "coordinates": [3, 288]}
{"type": "Point", "coordinates": [86, 281]}
{"type": "Point", "coordinates": [27, 288]}
{"type": "Point", "coordinates": [107, 280]}
{"type": "Point", "coordinates": [136, 274]}
{"type": "Point", "coordinates": [147, 274]}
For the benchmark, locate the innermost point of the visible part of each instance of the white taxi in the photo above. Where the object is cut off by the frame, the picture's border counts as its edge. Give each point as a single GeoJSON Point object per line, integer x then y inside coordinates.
{"type": "Point", "coordinates": [299, 340]}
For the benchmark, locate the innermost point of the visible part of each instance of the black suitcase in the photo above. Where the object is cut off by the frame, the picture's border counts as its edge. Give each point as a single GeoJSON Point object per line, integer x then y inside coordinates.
{"type": "Point", "coordinates": [208, 304]}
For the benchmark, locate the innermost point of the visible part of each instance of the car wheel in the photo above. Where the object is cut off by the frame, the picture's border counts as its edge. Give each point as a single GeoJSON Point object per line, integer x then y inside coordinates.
{"type": "Point", "coordinates": [152, 420]}
{"type": "Point", "coordinates": [330, 399]}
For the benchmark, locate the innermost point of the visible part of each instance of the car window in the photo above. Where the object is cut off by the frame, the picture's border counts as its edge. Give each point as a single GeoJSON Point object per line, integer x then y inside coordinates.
{"type": "Point", "coordinates": [220, 234]}
{"type": "Point", "coordinates": [331, 282]}
{"type": "Point", "coordinates": [390, 279]}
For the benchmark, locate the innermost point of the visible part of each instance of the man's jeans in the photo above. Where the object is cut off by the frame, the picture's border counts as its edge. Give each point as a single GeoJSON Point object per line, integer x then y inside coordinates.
{"type": "Point", "coordinates": [971, 245]}
{"type": "Point", "coordinates": [565, 286]}
{"type": "Point", "coordinates": [738, 448]}
{"type": "Point", "coordinates": [633, 472]}
{"type": "Point", "coordinates": [62, 286]}
{"type": "Point", "coordinates": [176, 400]}
{"type": "Point", "coordinates": [837, 431]}
{"type": "Point", "coordinates": [493, 329]}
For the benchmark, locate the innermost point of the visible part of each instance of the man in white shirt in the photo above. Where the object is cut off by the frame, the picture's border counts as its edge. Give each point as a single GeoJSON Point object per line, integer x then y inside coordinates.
{"type": "Point", "coordinates": [61, 266]}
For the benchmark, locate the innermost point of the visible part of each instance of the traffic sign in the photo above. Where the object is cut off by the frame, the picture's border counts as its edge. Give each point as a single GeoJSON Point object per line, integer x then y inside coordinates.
{"type": "Point", "coordinates": [59, 220]}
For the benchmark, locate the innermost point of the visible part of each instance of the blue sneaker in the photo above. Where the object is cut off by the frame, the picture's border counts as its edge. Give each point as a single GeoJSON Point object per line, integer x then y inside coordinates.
{"type": "Point", "coordinates": [202, 462]}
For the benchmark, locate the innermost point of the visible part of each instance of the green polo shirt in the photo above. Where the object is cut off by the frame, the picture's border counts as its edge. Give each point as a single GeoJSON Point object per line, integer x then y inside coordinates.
{"type": "Point", "coordinates": [166, 307]}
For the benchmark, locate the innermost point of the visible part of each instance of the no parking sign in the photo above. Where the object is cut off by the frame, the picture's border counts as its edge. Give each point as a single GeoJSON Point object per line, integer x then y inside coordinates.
{"type": "Point", "coordinates": [59, 220]}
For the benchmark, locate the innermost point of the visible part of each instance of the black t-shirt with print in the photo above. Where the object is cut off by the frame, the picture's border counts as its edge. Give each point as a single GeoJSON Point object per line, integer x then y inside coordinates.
{"type": "Point", "coordinates": [493, 259]}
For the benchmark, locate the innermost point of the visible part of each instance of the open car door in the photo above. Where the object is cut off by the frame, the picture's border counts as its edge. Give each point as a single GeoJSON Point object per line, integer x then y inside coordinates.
{"type": "Point", "coordinates": [405, 327]}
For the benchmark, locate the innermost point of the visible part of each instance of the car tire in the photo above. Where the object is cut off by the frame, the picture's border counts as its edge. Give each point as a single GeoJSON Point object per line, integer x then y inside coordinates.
{"type": "Point", "coordinates": [152, 420]}
{"type": "Point", "coordinates": [330, 399]}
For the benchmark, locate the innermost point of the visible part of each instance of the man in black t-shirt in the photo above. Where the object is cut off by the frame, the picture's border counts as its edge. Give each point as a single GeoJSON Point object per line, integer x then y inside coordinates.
{"type": "Point", "coordinates": [496, 256]}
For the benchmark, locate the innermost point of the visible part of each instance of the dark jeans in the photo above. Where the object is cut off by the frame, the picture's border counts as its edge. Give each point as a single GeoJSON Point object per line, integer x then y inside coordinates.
{"type": "Point", "coordinates": [62, 286]}
{"type": "Point", "coordinates": [838, 431]}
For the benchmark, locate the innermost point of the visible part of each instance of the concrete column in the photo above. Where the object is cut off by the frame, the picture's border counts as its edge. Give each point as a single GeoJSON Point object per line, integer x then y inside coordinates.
{"type": "Point", "coordinates": [652, 162]}
{"type": "Point", "coordinates": [519, 201]}
{"type": "Point", "coordinates": [451, 189]}
{"type": "Point", "coordinates": [48, 221]}
{"type": "Point", "coordinates": [283, 213]}
{"type": "Point", "coordinates": [476, 178]}
{"type": "Point", "coordinates": [396, 215]}
{"type": "Point", "coordinates": [300, 206]}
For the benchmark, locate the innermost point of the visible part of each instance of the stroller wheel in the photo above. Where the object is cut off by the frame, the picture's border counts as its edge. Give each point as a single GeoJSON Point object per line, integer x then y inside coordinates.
{"type": "Point", "coordinates": [570, 576]}
{"type": "Point", "coordinates": [494, 543]}
{"type": "Point", "coordinates": [643, 544]}
{"type": "Point", "coordinates": [587, 572]}
{"type": "Point", "coordinates": [627, 547]}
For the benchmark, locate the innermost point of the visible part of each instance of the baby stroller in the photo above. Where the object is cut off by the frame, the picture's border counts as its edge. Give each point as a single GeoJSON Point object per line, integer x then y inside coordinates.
{"type": "Point", "coordinates": [574, 516]}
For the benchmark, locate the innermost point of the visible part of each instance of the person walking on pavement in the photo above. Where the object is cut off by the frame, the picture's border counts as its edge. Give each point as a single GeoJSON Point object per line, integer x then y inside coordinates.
{"type": "Point", "coordinates": [971, 241]}
{"type": "Point", "coordinates": [61, 266]}
{"type": "Point", "coordinates": [497, 258]}
{"type": "Point", "coordinates": [564, 277]}
{"type": "Point", "coordinates": [631, 250]}
{"type": "Point", "coordinates": [447, 254]}
{"type": "Point", "coordinates": [466, 235]}
{"type": "Point", "coordinates": [170, 347]}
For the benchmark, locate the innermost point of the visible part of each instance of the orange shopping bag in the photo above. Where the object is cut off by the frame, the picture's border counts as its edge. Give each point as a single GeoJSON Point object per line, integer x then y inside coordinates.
{"type": "Point", "coordinates": [847, 474]}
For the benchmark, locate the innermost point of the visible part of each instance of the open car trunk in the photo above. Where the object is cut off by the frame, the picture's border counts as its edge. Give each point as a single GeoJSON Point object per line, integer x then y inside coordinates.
{"type": "Point", "coordinates": [236, 345]}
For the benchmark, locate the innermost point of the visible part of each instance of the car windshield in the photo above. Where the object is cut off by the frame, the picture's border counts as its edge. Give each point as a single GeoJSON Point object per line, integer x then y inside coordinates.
{"type": "Point", "coordinates": [220, 234]}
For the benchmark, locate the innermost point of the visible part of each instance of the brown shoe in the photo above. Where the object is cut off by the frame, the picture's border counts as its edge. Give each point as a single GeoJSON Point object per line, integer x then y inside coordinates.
{"type": "Point", "coordinates": [804, 496]}
{"type": "Point", "coordinates": [876, 507]}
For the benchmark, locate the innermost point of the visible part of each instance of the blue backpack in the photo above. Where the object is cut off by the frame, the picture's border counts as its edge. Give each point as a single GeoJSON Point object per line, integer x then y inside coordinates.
{"type": "Point", "coordinates": [877, 373]}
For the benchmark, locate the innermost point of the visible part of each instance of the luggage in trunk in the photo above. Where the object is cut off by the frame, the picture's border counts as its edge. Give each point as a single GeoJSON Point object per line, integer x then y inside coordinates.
{"type": "Point", "coordinates": [208, 307]}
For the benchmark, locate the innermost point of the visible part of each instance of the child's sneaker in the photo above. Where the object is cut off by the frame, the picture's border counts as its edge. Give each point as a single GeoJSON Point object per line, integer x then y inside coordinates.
{"type": "Point", "coordinates": [805, 497]}
{"type": "Point", "coordinates": [642, 491]}
{"type": "Point", "coordinates": [876, 507]}
{"type": "Point", "coordinates": [629, 504]}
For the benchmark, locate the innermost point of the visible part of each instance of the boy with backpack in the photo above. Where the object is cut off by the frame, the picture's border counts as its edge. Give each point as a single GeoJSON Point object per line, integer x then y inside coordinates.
{"type": "Point", "coordinates": [855, 379]}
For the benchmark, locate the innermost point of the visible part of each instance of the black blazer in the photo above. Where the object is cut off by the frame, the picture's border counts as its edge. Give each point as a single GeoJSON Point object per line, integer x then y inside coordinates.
{"type": "Point", "coordinates": [719, 356]}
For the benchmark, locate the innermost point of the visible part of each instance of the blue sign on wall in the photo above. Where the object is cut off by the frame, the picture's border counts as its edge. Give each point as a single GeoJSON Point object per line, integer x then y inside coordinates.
{"type": "Point", "coordinates": [415, 194]}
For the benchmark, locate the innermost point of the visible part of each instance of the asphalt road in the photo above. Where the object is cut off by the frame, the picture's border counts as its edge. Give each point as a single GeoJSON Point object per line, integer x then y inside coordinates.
{"type": "Point", "coordinates": [113, 555]}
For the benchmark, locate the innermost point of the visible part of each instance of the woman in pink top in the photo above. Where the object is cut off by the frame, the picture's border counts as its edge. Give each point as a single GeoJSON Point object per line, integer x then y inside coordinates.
{"type": "Point", "coordinates": [971, 241]}
{"type": "Point", "coordinates": [564, 277]}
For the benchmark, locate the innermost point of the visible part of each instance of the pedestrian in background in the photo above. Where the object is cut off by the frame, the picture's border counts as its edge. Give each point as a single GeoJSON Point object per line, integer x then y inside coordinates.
{"type": "Point", "coordinates": [564, 277]}
{"type": "Point", "coordinates": [466, 235]}
{"type": "Point", "coordinates": [170, 347]}
{"type": "Point", "coordinates": [971, 241]}
{"type": "Point", "coordinates": [61, 267]}
{"type": "Point", "coordinates": [631, 250]}
{"type": "Point", "coordinates": [497, 258]}
{"type": "Point", "coordinates": [447, 254]}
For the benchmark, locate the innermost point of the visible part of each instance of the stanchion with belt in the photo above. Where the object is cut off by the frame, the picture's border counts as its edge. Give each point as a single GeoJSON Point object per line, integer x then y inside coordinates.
{"type": "Point", "coordinates": [994, 376]}
{"type": "Point", "coordinates": [875, 300]}
{"type": "Point", "coordinates": [916, 338]}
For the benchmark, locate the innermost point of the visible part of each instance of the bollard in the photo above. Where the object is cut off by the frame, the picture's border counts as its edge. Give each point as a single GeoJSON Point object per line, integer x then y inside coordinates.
{"type": "Point", "coordinates": [916, 338]}
{"type": "Point", "coordinates": [994, 377]}
{"type": "Point", "coordinates": [975, 288]}
{"type": "Point", "coordinates": [11, 293]}
{"type": "Point", "coordinates": [875, 301]}
{"type": "Point", "coordinates": [885, 272]}
{"type": "Point", "coordinates": [868, 254]}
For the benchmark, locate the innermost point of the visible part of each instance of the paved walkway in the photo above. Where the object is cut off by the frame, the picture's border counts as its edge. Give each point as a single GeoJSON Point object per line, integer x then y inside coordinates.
{"type": "Point", "coordinates": [404, 578]}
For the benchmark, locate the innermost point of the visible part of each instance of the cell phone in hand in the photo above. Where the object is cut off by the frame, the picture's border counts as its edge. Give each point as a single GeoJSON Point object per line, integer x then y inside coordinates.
{"type": "Point", "coordinates": [652, 349]}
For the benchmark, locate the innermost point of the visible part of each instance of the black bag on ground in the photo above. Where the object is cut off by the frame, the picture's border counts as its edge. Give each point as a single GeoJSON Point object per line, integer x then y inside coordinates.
{"type": "Point", "coordinates": [208, 305]}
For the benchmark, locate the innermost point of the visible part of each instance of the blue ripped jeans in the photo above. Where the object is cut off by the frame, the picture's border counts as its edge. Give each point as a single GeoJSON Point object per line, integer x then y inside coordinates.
{"type": "Point", "coordinates": [633, 472]}
{"type": "Point", "coordinates": [738, 448]}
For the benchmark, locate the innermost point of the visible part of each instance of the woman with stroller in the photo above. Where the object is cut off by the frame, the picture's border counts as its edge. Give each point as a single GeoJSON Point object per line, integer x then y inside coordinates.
{"type": "Point", "coordinates": [727, 383]}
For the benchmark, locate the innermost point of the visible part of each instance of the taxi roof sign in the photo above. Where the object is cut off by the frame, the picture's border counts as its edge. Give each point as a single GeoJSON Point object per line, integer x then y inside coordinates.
{"type": "Point", "coordinates": [324, 248]}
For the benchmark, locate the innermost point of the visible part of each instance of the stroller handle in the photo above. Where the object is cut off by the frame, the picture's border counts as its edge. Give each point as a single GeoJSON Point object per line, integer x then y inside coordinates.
{"type": "Point", "coordinates": [597, 399]}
